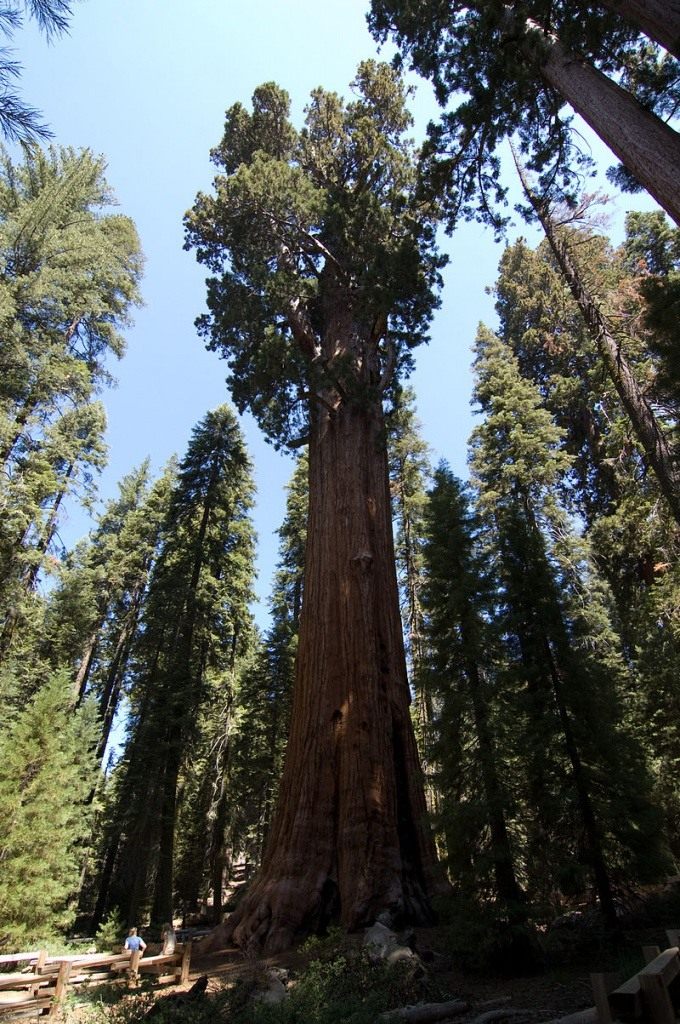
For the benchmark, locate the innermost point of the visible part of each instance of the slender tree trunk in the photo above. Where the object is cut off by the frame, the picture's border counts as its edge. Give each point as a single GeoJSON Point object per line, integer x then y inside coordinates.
{"type": "Point", "coordinates": [658, 19]}
{"type": "Point", "coordinates": [162, 909]}
{"type": "Point", "coordinates": [590, 827]}
{"type": "Point", "coordinates": [507, 885]}
{"type": "Point", "coordinates": [106, 874]}
{"type": "Point", "coordinates": [31, 576]}
{"type": "Point", "coordinates": [647, 430]}
{"type": "Point", "coordinates": [19, 424]}
{"type": "Point", "coordinates": [648, 147]}
{"type": "Point", "coordinates": [126, 851]}
{"type": "Point", "coordinates": [109, 700]}
{"type": "Point", "coordinates": [218, 852]}
{"type": "Point", "coordinates": [554, 637]}
{"type": "Point", "coordinates": [424, 710]}
{"type": "Point", "coordinates": [110, 696]}
{"type": "Point", "coordinates": [350, 837]}
{"type": "Point", "coordinates": [220, 812]}
{"type": "Point", "coordinates": [85, 666]}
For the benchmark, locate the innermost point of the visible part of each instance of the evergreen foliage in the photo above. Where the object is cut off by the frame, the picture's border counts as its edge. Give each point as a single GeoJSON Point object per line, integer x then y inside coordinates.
{"type": "Point", "coordinates": [299, 219]}
{"type": "Point", "coordinates": [579, 749]}
{"type": "Point", "coordinates": [195, 626]}
{"type": "Point", "coordinates": [47, 770]}
{"type": "Point", "coordinates": [70, 276]}
{"type": "Point", "coordinates": [20, 122]}
{"type": "Point", "coordinates": [266, 690]}
{"type": "Point", "coordinates": [501, 59]}
{"type": "Point", "coordinates": [464, 666]}
{"type": "Point", "coordinates": [608, 486]}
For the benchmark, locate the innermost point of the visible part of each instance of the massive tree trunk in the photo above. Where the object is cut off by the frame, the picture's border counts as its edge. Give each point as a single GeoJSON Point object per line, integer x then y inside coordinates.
{"type": "Point", "coordinates": [349, 839]}
{"type": "Point", "coordinates": [648, 147]}
{"type": "Point", "coordinates": [658, 19]}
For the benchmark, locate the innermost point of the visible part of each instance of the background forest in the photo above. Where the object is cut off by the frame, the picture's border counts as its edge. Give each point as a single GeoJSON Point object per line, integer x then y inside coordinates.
{"type": "Point", "coordinates": [145, 697]}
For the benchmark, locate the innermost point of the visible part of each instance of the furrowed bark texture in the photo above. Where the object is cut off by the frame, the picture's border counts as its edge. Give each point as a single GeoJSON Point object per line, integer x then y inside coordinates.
{"type": "Point", "coordinates": [648, 147]}
{"type": "Point", "coordinates": [658, 19]}
{"type": "Point", "coordinates": [349, 839]}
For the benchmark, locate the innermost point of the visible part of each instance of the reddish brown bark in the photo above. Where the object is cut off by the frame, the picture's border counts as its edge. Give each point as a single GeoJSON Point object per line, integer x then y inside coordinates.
{"type": "Point", "coordinates": [349, 839]}
{"type": "Point", "coordinates": [648, 147]}
{"type": "Point", "coordinates": [658, 19]}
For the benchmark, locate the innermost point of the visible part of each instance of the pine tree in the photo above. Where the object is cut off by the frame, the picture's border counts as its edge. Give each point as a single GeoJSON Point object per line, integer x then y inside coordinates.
{"type": "Point", "coordinates": [558, 617]}
{"type": "Point", "coordinates": [608, 486]}
{"type": "Point", "coordinates": [463, 667]}
{"type": "Point", "coordinates": [265, 695]}
{"type": "Point", "coordinates": [69, 279]}
{"type": "Point", "coordinates": [409, 472]}
{"type": "Point", "coordinates": [195, 624]}
{"type": "Point", "coordinates": [47, 769]}
{"type": "Point", "coordinates": [649, 432]}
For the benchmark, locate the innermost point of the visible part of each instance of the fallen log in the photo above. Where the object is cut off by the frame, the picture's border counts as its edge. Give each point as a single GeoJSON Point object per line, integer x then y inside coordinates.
{"type": "Point", "coordinates": [424, 1013]}
{"type": "Point", "coordinates": [588, 1016]}
{"type": "Point", "coordinates": [499, 1014]}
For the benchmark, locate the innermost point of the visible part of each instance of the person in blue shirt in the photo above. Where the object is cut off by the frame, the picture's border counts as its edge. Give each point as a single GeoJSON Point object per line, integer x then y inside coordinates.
{"type": "Point", "coordinates": [134, 941]}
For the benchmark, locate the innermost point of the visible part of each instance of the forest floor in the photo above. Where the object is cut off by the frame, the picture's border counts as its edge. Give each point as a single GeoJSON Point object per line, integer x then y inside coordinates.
{"type": "Point", "coordinates": [544, 996]}
{"type": "Point", "coordinates": [561, 988]}
{"type": "Point", "coordinates": [538, 997]}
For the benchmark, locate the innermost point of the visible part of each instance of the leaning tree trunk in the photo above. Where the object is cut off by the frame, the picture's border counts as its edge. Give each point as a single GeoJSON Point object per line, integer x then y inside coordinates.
{"type": "Point", "coordinates": [349, 839]}
{"type": "Point", "coordinates": [648, 147]}
{"type": "Point", "coordinates": [652, 438]}
{"type": "Point", "coordinates": [658, 19]}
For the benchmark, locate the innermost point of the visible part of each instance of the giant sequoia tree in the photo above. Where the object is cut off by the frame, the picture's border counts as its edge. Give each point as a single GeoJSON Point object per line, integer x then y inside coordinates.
{"type": "Point", "coordinates": [323, 270]}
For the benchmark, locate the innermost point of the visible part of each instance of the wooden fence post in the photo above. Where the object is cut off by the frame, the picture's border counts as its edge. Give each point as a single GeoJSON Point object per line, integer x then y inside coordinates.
{"type": "Point", "coordinates": [602, 985]}
{"type": "Point", "coordinates": [60, 987]}
{"type": "Point", "coordinates": [658, 1001]}
{"type": "Point", "coordinates": [673, 936]}
{"type": "Point", "coordinates": [40, 962]}
{"type": "Point", "coordinates": [650, 953]}
{"type": "Point", "coordinates": [186, 963]}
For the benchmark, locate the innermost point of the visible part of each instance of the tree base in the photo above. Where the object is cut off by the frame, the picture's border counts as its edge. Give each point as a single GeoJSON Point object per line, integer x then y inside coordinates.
{"type": "Point", "coordinates": [274, 914]}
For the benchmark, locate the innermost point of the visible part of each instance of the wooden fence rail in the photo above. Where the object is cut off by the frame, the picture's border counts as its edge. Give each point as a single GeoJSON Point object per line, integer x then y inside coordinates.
{"type": "Point", "coordinates": [41, 986]}
{"type": "Point", "coordinates": [651, 996]}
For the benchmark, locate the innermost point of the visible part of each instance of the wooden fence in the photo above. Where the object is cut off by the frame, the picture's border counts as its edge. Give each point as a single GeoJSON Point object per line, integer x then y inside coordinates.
{"type": "Point", "coordinates": [41, 985]}
{"type": "Point", "coordinates": [652, 995]}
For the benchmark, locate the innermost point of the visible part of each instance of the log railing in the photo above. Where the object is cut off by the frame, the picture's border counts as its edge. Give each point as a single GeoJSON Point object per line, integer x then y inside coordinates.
{"type": "Point", "coordinates": [652, 995]}
{"type": "Point", "coordinates": [42, 984]}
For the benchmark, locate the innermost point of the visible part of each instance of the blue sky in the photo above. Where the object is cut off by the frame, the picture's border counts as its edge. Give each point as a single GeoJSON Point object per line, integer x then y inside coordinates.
{"type": "Point", "coordinates": [146, 83]}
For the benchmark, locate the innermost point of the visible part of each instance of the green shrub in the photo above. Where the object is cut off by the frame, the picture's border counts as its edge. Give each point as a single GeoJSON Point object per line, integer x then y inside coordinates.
{"type": "Point", "coordinates": [348, 989]}
{"type": "Point", "coordinates": [108, 938]}
{"type": "Point", "coordinates": [483, 937]}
